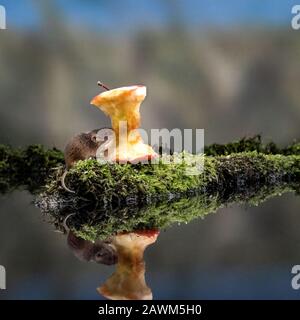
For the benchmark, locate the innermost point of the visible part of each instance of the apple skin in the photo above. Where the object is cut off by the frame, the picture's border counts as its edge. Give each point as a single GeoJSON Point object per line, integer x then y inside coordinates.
{"type": "Point", "coordinates": [122, 105]}
{"type": "Point", "coordinates": [128, 281]}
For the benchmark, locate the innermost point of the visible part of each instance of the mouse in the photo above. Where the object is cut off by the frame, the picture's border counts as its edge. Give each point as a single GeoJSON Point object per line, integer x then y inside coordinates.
{"type": "Point", "coordinates": [101, 252]}
{"type": "Point", "coordinates": [84, 146]}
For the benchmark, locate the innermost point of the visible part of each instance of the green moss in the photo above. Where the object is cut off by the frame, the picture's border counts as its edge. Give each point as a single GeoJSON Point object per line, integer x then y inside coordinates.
{"type": "Point", "coordinates": [114, 184]}
{"type": "Point", "coordinates": [132, 197]}
{"type": "Point", "coordinates": [111, 198]}
{"type": "Point", "coordinates": [28, 167]}
{"type": "Point", "coordinates": [92, 224]}
{"type": "Point", "coordinates": [159, 216]}
{"type": "Point", "coordinates": [251, 144]}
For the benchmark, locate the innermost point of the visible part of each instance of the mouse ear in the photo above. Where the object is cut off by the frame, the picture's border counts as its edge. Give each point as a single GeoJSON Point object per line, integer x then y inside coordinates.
{"type": "Point", "coordinates": [94, 137]}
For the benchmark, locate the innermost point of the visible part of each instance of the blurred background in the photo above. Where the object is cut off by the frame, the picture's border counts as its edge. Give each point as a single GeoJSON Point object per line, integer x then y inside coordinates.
{"type": "Point", "coordinates": [231, 67]}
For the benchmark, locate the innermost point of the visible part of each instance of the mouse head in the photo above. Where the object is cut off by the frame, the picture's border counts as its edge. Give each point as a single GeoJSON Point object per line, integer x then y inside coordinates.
{"type": "Point", "coordinates": [101, 252]}
{"type": "Point", "coordinates": [104, 253]}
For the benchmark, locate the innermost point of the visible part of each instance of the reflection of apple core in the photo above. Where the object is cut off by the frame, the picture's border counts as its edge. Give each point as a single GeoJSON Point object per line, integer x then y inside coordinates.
{"type": "Point", "coordinates": [128, 281]}
{"type": "Point", "coordinates": [122, 105]}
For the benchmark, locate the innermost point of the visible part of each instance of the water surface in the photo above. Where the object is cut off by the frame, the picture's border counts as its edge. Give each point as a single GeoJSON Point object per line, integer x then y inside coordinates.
{"type": "Point", "coordinates": [240, 251]}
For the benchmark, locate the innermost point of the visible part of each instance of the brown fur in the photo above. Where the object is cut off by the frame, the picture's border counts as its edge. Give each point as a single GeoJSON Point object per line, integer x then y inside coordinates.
{"type": "Point", "coordinates": [81, 147]}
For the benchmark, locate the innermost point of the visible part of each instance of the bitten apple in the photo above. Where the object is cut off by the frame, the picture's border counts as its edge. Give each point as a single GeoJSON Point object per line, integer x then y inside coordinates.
{"type": "Point", "coordinates": [122, 105]}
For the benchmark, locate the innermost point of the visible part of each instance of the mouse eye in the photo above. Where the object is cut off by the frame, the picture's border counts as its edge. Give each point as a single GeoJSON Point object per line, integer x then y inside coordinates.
{"type": "Point", "coordinates": [99, 254]}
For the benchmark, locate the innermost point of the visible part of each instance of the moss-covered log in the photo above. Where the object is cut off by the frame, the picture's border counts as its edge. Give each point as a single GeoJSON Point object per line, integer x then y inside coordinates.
{"type": "Point", "coordinates": [34, 167]}
{"type": "Point", "coordinates": [111, 198]}
{"type": "Point", "coordinates": [112, 185]}
{"type": "Point", "coordinates": [29, 168]}
{"type": "Point", "coordinates": [251, 144]}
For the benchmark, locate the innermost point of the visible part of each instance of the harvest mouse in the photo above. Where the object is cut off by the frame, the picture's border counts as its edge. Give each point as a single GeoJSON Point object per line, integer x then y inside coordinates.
{"type": "Point", "coordinates": [99, 252]}
{"type": "Point", "coordinates": [84, 146]}
{"type": "Point", "coordinates": [103, 252]}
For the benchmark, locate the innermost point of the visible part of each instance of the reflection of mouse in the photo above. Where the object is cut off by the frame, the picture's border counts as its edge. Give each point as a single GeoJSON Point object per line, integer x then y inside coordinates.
{"type": "Point", "coordinates": [99, 252]}
{"type": "Point", "coordinates": [82, 147]}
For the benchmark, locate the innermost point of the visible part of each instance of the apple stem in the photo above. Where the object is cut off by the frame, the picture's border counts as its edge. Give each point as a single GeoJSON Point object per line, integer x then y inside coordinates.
{"type": "Point", "coordinates": [100, 84]}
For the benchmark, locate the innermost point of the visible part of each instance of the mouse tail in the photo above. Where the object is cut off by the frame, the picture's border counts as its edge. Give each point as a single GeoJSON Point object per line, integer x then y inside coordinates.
{"type": "Point", "coordinates": [63, 182]}
{"type": "Point", "coordinates": [65, 225]}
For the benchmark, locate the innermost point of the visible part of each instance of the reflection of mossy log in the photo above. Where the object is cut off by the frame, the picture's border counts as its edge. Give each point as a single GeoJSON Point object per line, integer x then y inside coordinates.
{"type": "Point", "coordinates": [97, 223]}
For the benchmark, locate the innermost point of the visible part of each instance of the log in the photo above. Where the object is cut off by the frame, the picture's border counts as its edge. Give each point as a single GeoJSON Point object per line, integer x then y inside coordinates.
{"type": "Point", "coordinates": [38, 170]}
{"type": "Point", "coordinates": [27, 168]}
{"type": "Point", "coordinates": [114, 185]}
{"type": "Point", "coordinates": [112, 198]}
